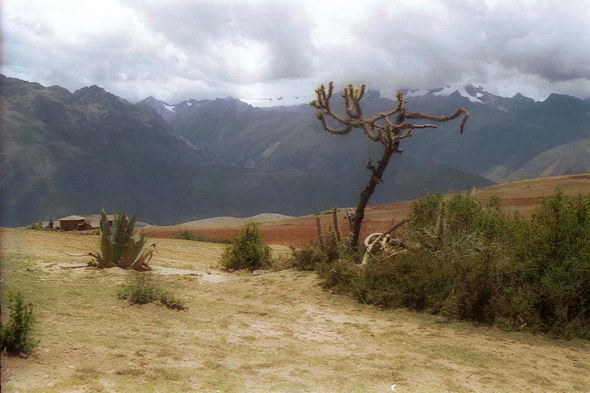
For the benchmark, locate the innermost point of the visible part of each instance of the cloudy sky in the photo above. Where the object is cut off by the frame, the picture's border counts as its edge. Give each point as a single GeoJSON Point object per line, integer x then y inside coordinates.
{"type": "Point", "coordinates": [180, 49]}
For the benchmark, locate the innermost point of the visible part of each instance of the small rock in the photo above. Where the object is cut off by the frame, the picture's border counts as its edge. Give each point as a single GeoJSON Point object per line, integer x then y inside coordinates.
{"type": "Point", "coordinates": [258, 272]}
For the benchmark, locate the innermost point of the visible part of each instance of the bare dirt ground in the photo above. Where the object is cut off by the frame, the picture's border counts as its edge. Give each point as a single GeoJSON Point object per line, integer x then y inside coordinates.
{"type": "Point", "coordinates": [233, 221]}
{"type": "Point", "coordinates": [278, 332]}
{"type": "Point", "coordinates": [523, 197]}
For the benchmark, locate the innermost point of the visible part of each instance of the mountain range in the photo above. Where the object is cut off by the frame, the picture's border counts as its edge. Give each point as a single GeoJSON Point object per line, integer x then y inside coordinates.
{"type": "Point", "coordinates": [74, 153]}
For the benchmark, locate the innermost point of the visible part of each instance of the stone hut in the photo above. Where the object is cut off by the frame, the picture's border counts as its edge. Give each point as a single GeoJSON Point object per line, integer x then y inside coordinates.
{"type": "Point", "coordinates": [74, 223]}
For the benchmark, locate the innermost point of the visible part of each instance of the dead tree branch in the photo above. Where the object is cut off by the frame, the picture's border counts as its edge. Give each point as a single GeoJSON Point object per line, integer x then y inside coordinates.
{"type": "Point", "coordinates": [320, 235]}
{"type": "Point", "coordinates": [382, 128]}
{"type": "Point", "coordinates": [336, 226]}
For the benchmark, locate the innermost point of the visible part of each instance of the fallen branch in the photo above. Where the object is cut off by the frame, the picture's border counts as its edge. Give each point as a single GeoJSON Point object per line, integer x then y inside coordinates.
{"type": "Point", "coordinates": [76, 267]}
{"type": "Point", "coordinates": [380, 240]}
{"type": "Point", "coordinates": [76, 255]}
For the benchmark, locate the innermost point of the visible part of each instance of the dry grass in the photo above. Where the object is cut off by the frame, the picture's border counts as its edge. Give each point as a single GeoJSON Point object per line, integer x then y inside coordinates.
{"type": "Point", "coordinates": [276, 332]}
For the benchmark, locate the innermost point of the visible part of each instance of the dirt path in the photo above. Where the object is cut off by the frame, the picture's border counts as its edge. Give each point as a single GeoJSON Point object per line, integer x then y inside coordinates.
{"type": "Point", "coordinates": [276, 332]}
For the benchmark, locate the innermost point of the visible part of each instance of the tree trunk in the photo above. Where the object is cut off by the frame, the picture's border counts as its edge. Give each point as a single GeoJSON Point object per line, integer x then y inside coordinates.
{"type": "Point", "coordinates": [378, 128]}
{"type": "Point", "coordinates": [359, 214]}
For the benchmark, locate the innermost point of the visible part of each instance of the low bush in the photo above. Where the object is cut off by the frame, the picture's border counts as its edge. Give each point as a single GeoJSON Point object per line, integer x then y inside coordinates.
{"type": "Point", "coordinates": [248, 251]}
{"type": "Point", "coordinates": [15, 336]}
{"type": "Point", "coordinates": [172, 302]}
{"type": "Point", "coordinates": [332, 257]}
{"type": "Point", "coordinates": [36, 226]}
{"type": "Point", "coordinates": [187, 235]}
{"type": "Point", "coordinates": [469, 260]}
{"type": "Point", "coordinates": [144, 288]}
{"type": "Point", "coordinates": [307, 259]}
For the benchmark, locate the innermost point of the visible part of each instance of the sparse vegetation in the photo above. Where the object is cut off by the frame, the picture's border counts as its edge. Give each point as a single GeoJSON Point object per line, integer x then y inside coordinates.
{"type": "Point", "coordinates": [15, 336]}
{"type": "Point", "coordinates": [188, 235]}
{"type": "Point", "coordinates": [248, 251]}
{"type": "Point", "coordinates": [144, 288]}
{"type": "Point", "coordinates": [279, 331]}
{"type": "Point", "coordinates": [171, 301]}
{"type": "Point", "coordinates": [36, 226]}
{"type": "Point", "coordinates": [120, 247]}
{"type": "Point", "coordinates": [307, 258]}
{"type": "Point", "coordinates": [470, 261]}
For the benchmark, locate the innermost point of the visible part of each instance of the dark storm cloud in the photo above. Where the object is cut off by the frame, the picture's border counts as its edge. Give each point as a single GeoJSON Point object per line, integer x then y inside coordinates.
{"type": "Point", "coordinates": [423, 45]}
{"type": "Point", "coordinates": [180, 49]}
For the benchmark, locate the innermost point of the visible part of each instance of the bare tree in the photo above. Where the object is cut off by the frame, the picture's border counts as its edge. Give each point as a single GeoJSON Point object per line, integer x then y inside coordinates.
{"type": "Point", "coordinates": [382, 128]}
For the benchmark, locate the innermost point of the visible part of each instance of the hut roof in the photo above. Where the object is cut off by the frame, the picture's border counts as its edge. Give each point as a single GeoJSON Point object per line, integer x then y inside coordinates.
{"type": "Point", "coordinates": [72, 218]}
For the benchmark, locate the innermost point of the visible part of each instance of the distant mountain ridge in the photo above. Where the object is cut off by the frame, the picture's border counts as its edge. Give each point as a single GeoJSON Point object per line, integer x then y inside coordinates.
{"type": "Point", "coordinates": [503, 134]}
{"type": "Point", "coordinates": [65, 153]}
{"type": "Point", "coordinates": [76, 152]}
{"type": "Point", "coordinates": [166, 110]}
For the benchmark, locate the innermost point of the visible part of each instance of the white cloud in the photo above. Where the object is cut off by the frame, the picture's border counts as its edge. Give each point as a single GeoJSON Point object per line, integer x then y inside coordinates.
{"type": "Point", "coordinates": [176, 50]}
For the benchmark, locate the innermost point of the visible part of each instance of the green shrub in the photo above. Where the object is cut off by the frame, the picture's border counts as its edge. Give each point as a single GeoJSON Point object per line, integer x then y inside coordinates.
{"type": "Point", "coordinates": [316, 258]}
{"type": "Point", "coordinates": [402, 282]}
{"type": "Point", "coordinates": [307, 259]}
{"type": "Point", "coordinates": [143, 288]}
{"type": "Point", "coordinates": [339, 276]}
{"type": "Point", "coordinates": [554, 253]}
{"type": "Point", "coordinates": [171, 301]}
{"type": "Point", "coordinates": [15, 336]}
{"type": "Point", "coordinates": [184, 235]}
{"type": "Point", "coordinates": [248, 251]}
{"type": "Point", "coordinates": [468, 260]}
{"type": "Point", "coordinates": [140, 289]}
{"type": "Point", "coordinates": [187, 235]}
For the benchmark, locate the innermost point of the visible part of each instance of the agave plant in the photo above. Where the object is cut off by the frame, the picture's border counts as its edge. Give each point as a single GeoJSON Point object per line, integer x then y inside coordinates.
{"type": "Point", "coordinates": [120, 247]}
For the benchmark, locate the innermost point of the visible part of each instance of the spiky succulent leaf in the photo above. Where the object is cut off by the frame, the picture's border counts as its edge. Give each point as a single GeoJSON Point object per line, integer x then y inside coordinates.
{"type": "Point", "coordinates": [133, 251]}
{"type": "Point", "coordinates": [99, 261]}
{"type": "Point", "coordinates": [106, 244]}
{"type": "Point", "coordinates": [130, 226]}
{"type": "Point", "coordinates": [120, 246]}
{"type": "Point", "coordinates": [142, 262]}
{"type": "Point", "coordinates": [120, 238]}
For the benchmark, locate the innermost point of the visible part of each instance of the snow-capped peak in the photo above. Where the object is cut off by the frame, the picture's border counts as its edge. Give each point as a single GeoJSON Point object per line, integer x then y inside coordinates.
{"type": "Point", "coordinates": [472, 98]}
{"type": "Point", "coordinates": [472, 92]}
{"type": "Point", "coordinates": [416, 93]}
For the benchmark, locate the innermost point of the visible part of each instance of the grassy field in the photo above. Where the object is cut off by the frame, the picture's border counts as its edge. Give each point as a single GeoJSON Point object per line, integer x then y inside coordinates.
{"type": "Point", "coordinates": [522, 196]}
{"type": "Point", "coordinates": [275, 332]}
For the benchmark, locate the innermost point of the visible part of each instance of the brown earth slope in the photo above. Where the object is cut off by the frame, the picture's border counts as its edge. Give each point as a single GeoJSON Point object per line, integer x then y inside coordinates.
{"type": "Point", "coordinates": [522, 196]}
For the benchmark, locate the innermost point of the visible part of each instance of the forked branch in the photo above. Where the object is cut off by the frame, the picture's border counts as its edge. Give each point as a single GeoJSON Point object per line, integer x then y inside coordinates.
{"type": "Point", "coordinates": [382, 128]}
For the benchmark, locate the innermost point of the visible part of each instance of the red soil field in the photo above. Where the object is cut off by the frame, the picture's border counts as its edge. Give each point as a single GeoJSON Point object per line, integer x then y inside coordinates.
{"type": "Point", "coordinates": [522, 196]}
